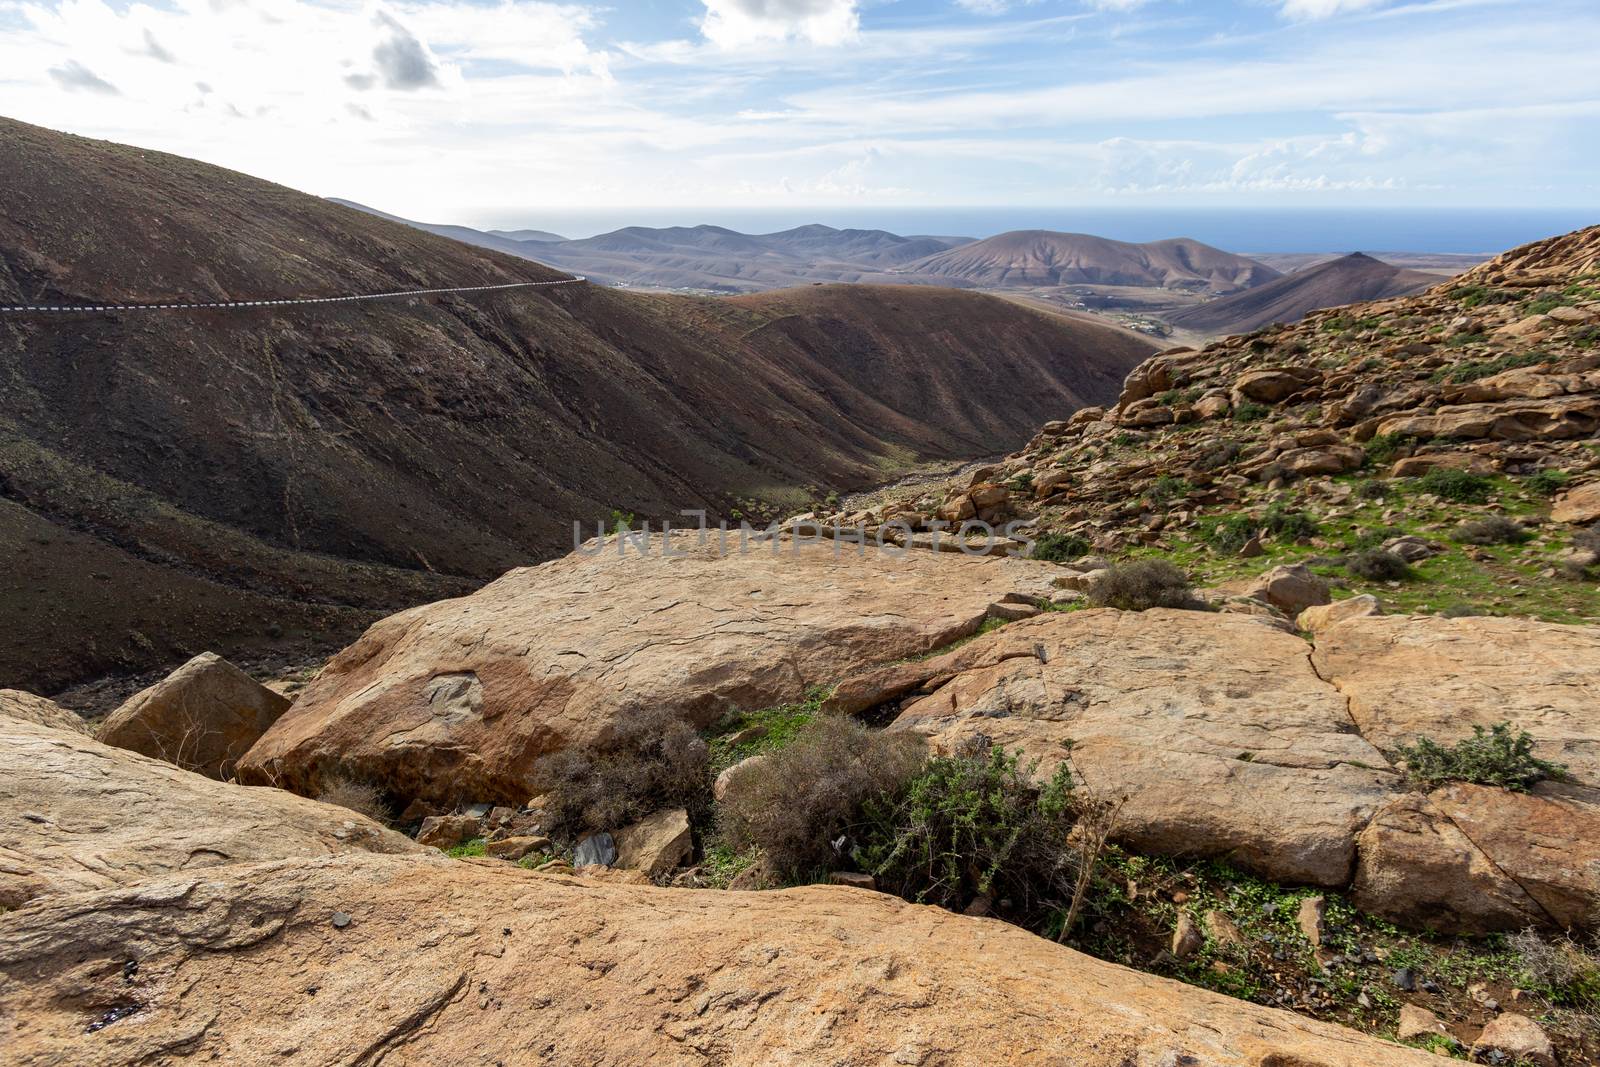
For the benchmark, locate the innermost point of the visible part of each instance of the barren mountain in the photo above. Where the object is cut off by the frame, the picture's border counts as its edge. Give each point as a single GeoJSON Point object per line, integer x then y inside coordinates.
{"type": "Point", "coordinates": [1347, 280]}
{"type": "Point", "coordinates": [241, 480]}
{"type": "Point", "coordinates": [1044, 257]}
{"type": "Point", "coordinates": [708, 257]}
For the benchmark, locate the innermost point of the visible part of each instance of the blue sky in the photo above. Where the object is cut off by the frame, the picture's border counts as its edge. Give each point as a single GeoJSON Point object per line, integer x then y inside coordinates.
{"type": "Point", "coordinates": [466, 111]}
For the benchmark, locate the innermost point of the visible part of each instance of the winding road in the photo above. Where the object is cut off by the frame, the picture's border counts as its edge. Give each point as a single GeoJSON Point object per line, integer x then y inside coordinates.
{"type": "Point", "coordinates": [225, 305]}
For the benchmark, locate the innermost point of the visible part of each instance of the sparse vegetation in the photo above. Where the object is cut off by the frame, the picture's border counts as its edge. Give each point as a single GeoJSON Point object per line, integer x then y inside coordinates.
{"type": "Point", "coordinates": [1143, 584]}
{"type": "Point", "coordinates": [1491, 530]}
{"type": "Point", "coordinates": [1250, 411]}
{"type": "Point", "coordinates": [1489, 757]}
{"type": "Point", "coordinates": [1232, 532]}
{"type": "Point", "coordinates": [1385, 447]}
{"type": "Point", "coordinates": [1377, 565]}
{"type": "Point", "coordinates": [977, 825]}
{"type": "Point", "coordinates": [655, 759]}
{"type": "Point", "coordinates": [1547, 482]}
{"type": "Point", "coordinates": [1463, 487]}
{"type": "Point", "coordinates": [798, 803]}
{"type": "Point", "coordinates": [1562, 970]}
{"type": "Point", "coordinates": [1290, 525]}
{"type": "Point", "coordinates": [359, 797]}
{"type": "Point", "coordinates": [1059, 547]}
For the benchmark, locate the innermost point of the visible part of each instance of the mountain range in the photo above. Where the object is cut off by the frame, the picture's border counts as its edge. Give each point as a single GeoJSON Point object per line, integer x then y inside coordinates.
{"type": "Point", "coordinates": [243, 480]}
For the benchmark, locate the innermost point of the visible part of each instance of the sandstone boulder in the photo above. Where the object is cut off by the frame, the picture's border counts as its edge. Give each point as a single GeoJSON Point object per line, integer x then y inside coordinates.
{"type": "Point", "coordinates": [201, 717]}
{"type": "Point", "coordinates": [1557, 418]}
{"type": "Point", "coordinates": [1579, 505]}
{"type": "Point", "coordinates": [1291, 588]}
{"type": "Point", "coordinates": [655, 844]}
{"type": "Point", "coordinates": [1271, 386]}
{"type": "Point", "coordinates": [1214, 726]}
{"type": "Point", "coordinates": [246, 966]}
{"type": "Point", "coordinates": [76, 814]}
{"type": "Point", "coordinates": [1319, 617]}
{"type": "Point", "coordinates": [26, 707]}
{"type": "Point", "coordinates": [1422, 676]}
{"type": "Point", "coordinates": [456, 700]}
{"type": "Point", "coordinates": [1517, 1039]}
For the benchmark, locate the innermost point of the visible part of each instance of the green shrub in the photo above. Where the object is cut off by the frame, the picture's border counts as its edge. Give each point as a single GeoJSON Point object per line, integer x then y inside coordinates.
{"type": "Point", "coordinates": [1059, 547]}
{"type": "Point", "coordinates": [1472, 370]}
{"type": "Point", "coordinates": [1472, 296]}
{"type": "Point", "coordinates": [1463, 487]}
{"type": "Point", "coordinates": [1588, 537]}
{"type": "Point", "coordinates": [976, 824]}
{"type": "Point", "coordinates": [1491, 530]}
{"type": "Point", "coordinates": [1377, 565]}
{"type": "Point", "coordinates": [1022, 483]}
{"type": "Point", "coordinates": [1373, 489]}
{"type": "Point", "coordinates": [1545, 304]}
{"type": "Point", "coordinates": [1561, 970]}
{"type": "Point", "coordinates": [1232, 533]}
{"type": "Point", "coordinates": [1547, 482]}
{"type": "Point", "coordinates": [1167, 488]}
{"type": "Point", "coordinates": [1386, 446]}
{"type": "Point", "coordinates": [1218, 455]}
{"type": "Point", "coordinates": [800, 799]}
{"type": "Point", "coordinates": [1143, 584]}
{"type": "Point", "coordinates": [1290, 525]}
{"type": "Point", "coordinates": [1489, 757]}
{"type": "Point", "coordinates": [652, 760]}
{"type": "Point", "coordinates": [467, 849]}
{"type": "Point", "coordinates": [1250, 411]}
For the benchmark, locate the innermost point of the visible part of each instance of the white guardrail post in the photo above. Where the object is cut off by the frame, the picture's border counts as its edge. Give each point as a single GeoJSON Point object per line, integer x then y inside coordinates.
{"type": "Point", "coordinates": [224, 305]}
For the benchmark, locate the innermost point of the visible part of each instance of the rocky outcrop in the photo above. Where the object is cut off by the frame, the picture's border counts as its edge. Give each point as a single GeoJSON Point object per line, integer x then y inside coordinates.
{"type": "Point", "coordinates": [201, 717]}
{"type": "Point", "coordinates": [1410, 676]}
{"type": "Point", "coordinates": [324, 961]}
{"type": "Point", "coordinates": [26, 707]}
{"type": "Point", "coordinates": [1580, 505]}
{"type": "Point", "coordinates": [76, 814]}
{"type": "Point", "coordinates": [1214, 726]}
{"type": "Point", "coordinates": [456, 700]}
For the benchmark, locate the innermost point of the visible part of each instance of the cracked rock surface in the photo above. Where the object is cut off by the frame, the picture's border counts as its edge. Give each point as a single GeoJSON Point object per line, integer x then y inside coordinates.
{"type": "Point", "coordinates": [456, 700]}
{"type": "Point", "coordinates": [76, 814]}
{"type": "Point", "coordinates": [245, 966]}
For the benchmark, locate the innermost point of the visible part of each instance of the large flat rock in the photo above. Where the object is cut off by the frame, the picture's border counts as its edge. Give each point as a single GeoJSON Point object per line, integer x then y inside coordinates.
{"type": "Point", "coordinates": [456, 700]}
{"type": "Point", "coordinates": [76, 814]}
{"type": "Point", "coordinates": [42, 712]}
{"type": "Point", "coordinates": [1411, 676]}
{"type": "Point", "coordinates": [1214, 726]}
{"type": "Point", "coordinates": [247, 966]}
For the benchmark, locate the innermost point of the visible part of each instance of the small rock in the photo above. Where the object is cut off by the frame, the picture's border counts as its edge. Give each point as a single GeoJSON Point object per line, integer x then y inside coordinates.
{"type": "Point", "coordinates": [595, 849]}
{"type": "Point", "coordinates": [448, 831]}
{"type": "Point", "coordinates": [1311, 920]}
{"type": "Point", "coordinates": [1516, 1037]}
{"type": "Point", "coordinates": [515, 848]}
{"type": "Point", "coordinates": [853, 879]}
{"type": "Point", "coordinates": [1223, 930]}
{"type": "Point", "coordinates": [341, 919]}
{"type": "Point", "coordinates": [1186, 938]}
{"type": "Point", "coordinates": [1405, 980]}
{"type": "Point", "coordinates": [656, 844]}
{"type": "Point", "coordinates": [1417, 1021]}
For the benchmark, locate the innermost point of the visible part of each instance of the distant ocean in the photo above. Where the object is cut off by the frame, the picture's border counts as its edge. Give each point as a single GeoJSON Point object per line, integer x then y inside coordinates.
{"type": "Point", "coordinates": [1236, 230]}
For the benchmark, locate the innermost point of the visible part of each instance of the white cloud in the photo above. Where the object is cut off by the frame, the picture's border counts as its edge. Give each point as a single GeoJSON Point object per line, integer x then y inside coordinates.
{"type": "Point", "coordinates": [738, 23]}
{"type": "Point", "coordinates": [1322, 9]}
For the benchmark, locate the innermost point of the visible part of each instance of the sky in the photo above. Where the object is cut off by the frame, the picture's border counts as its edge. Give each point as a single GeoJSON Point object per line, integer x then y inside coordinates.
{"type": "Point", "coordinates": [477, 111]}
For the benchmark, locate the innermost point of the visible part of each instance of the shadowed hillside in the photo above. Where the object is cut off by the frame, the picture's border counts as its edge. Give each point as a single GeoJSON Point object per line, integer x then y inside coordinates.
{"type": "Point", "coordinates": [246, 479]}
{"type": "Point", "coordinates": [1348, 280]}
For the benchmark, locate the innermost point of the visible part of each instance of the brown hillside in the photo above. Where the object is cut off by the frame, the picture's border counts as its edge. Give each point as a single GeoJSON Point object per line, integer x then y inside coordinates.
{"type": "Point", "coordinates": [1043, 257]}
{"type": "Point", "coordinates": [1348, 280]}
{"type": "Point", "coordinates": [234, 480]}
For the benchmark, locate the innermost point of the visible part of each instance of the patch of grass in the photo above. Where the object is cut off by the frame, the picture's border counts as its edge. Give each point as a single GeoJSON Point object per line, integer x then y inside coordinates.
{"type": "Point", "coordinates": [1489, 757]}
{"type": "Point", "coordinates": [723, 863]}
{"type": "Point", "coordinates": [1231, 533]}
{"type": "Point", "coordinates": [1472, 370]}
{"type": "Point", "coordinates": [777, 726]}
{"type": "Point", "coordinates": [1250, 411]}
{"type": "Point", "coordinates": [1461, 486]}
{"type": "Point", "coordinates": [1168, 488]}
{"type": "Point", "coordinates": [467, 849]}
{"type": "Point", "coordinates": [1290, 525]}
{"type": "Point", "coordinates": [1491, 530]}
{"type": "Point", "coordinates": [1471, 296]}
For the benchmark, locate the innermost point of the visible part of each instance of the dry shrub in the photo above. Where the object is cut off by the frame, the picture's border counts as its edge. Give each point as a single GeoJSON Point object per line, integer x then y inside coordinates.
{"type": "Point", "coordinates": [652, 759]}
{"type": "Point", "coordinates": [360, 797]}
{"type": "Point", "coordinates": [1491, 530]}
{"type": "Point", "coordinates": [1142, 584]}
{"type": "Point", "coordinates": [795, 804]}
